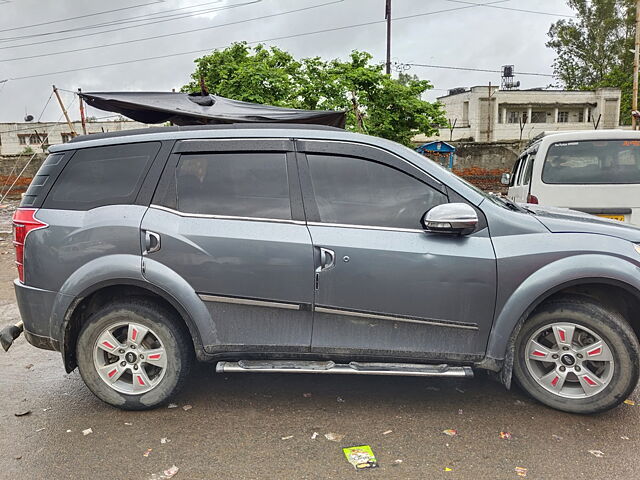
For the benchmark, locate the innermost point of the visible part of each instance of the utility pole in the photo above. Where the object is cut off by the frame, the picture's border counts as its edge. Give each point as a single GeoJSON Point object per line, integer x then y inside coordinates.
{"type": "Point", "coordinates": [387, 16]}
{"type": "Point", "coordinates": [636, 58]}
{"type": "Point", "coordinates": [64, 110]}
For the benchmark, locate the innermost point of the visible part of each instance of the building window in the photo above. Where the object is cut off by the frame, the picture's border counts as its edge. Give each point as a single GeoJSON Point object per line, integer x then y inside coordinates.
{"type": "Point", "coordinates": [465, 114]}
{"type": "Point", "coordinates": [512, 117]}
{"type": "Point", "coordinates": [581, 117]}
{"type": "Point", "coordinates": [563, 117]}
{"type": "Point", "coordinates": [31, 139]}
{"type": "Point", "coordinates": [538, 117]}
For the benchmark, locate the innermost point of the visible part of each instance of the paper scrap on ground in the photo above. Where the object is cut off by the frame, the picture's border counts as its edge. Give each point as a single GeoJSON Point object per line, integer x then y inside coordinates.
{"type": "Point", "coordinates": [505, 436]}
{"type": "Point", "coordinates": [166, 474]}
{"type": "Point", "coordinates": [596, 453]}
{"type": "Point", "coordinates": [187, 407]}
{"type": "Point", "coordinates": [360, 457]}
{"type": "Point", "coordinates": [172, 405]}
{"type": "Point", "coordinates": [334, 437]}
{"type": "Point", "coordinates": [450, 431]}
{"type": "Point", "coordinates": [87, 431]}
{"type": "Point", "coordinates": [628, 401]}
{"type": "Point", "coordinates": [287, 437]}
{"type": "Point", "coordinates": [387, 432]}
{"type": "Point", "coordinates": [148, 452]}
{"type": "Point", "coordinates": [314, 436]}
{"type": "Point", "coordinates": [521, 471]}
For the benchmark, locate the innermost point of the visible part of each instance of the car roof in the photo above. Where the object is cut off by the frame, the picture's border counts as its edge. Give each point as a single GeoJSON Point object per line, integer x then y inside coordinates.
{"type": "Point", "coordinates": [189, 132]}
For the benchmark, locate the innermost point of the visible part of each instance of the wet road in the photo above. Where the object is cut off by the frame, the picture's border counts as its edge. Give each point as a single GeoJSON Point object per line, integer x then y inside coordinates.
{"type": "Point", "coordinates": [238, 427]}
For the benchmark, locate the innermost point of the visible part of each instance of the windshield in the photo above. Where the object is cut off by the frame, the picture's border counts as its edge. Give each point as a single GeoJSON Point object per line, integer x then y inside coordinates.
{"type": "Point", "coordinates": [593, 162]}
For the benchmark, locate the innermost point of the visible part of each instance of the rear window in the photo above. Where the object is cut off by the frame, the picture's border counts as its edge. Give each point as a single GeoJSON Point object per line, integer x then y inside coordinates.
{"type": "Point", "coordinates": [593, 162]}
{"type": "Point", "coordinates": [95, 177]}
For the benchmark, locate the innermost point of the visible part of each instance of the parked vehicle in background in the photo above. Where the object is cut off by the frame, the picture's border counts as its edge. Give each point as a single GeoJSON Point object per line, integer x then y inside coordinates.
{"type": "Point", "coordinates": [314, 250]}
{"type": "Point", "coordinates": [596, 172]}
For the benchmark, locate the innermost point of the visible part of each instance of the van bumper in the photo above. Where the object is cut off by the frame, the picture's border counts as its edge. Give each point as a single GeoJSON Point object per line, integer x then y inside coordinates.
{"type": "Point", "coordinates": [36, 305]}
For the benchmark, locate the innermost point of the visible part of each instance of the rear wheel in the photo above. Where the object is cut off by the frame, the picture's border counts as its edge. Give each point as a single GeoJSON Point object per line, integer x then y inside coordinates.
{"type": "Point", "coordinates": [133, 354]}
{"type": "Point", "coordinates": [576, 356]}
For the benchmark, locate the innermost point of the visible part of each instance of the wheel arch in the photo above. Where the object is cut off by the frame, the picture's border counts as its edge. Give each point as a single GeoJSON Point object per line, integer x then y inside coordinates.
{"type": "Point", "coordinates": [613, 293]}
{"type": "Point", "coordinates": [98, 294]}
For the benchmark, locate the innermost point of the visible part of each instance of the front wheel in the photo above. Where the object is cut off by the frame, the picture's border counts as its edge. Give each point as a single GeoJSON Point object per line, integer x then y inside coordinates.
{"type": "Point", "coordinates": [576, 356]}
{"type": "Point", "coordinates": [133, 354]}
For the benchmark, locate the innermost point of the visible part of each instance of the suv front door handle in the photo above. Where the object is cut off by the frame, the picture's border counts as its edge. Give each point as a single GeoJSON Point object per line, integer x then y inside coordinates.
{"type": "Point", "coordinates": [151, 242]}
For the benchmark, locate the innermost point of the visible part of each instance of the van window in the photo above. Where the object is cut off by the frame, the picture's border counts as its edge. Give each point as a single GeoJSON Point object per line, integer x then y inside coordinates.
{"type": "Point", "coordinates": [353, 191]}
{"type": "Point", "coordinates": [100, 176]}
{"type": "Point", "coordinates": [528, 170]}
{"type": "Point", "coordinates": [593, 162]}
{"type": "Point", "coordinates": [234, 184]}
{"type": "Point", "coordinates": [514, 174]}
{"type": "Point", "coordinates": [523, 165]}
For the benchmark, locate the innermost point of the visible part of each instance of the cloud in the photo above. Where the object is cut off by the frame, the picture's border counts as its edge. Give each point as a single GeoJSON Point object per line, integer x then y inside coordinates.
{"type": "Point", "coordinates": [477, 37]}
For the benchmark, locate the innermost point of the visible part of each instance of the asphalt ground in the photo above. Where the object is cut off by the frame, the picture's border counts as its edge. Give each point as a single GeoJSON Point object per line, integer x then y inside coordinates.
{"type": "Point", "coordinates": [252, 426]}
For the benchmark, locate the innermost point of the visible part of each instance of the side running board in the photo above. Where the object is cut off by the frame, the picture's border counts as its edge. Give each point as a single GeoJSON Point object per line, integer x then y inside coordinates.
{"type": "Point", "coordinates": [351, 368]}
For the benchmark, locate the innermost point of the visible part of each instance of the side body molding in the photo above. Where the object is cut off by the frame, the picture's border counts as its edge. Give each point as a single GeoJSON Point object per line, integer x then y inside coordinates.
{"type": "Point", "coordinates": [551, 278]}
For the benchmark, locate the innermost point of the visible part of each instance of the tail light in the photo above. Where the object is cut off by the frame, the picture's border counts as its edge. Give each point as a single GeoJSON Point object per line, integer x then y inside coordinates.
{"type": "Point", "coordinates": [24, 221]}
{"type": "Point", "coordinates": [532, 199]}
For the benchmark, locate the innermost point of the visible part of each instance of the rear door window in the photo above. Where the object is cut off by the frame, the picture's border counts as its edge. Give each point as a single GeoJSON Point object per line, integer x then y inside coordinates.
{"type": "Point", "coordinates": [528, 170]}
{"type": "Point", "coordinates": [253, 185]}
{"type": "Point", "coordinates": [593, 162]}
{"type": "Point", "coordinates": [101, 176]}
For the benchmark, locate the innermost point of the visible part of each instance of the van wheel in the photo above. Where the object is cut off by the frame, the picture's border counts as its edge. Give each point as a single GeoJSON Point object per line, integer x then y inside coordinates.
{"type": "Point", "coordinates": [576, 356]}
{"type": "Point", "coordinates": [134, 354]}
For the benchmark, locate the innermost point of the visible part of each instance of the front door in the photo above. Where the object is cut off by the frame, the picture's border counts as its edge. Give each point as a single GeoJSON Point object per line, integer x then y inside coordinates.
{"type": "Point", "coordinates": [230, 223]}
{"type": "Point", "coordinates": [385, 287]}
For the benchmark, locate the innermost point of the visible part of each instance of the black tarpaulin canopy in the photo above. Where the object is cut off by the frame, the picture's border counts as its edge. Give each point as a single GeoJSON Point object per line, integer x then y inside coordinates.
{"type": "Point", "coordinates": [197, 109]}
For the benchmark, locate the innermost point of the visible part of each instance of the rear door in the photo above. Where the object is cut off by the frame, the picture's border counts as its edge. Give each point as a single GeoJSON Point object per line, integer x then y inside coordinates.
{"type": "Point", "coordinates": [229, 218]}
{"type": "Point", "coordinates": [385, 287]}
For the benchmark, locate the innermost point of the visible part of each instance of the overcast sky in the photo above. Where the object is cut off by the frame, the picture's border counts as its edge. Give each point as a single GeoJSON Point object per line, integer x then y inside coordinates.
{"type": "Point", "coordinates": [456, 34]}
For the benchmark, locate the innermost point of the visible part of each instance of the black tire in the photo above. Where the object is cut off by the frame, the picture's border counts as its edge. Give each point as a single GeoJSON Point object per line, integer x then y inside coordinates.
{"type": "Point", "coordinates": [612, 328]}
{"type": "Point", "coordinates": [165, 325]}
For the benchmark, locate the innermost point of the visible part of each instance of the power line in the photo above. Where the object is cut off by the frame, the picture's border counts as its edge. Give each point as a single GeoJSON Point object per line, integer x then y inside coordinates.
{"type": "Point", "coordinates": [81, 16]}
{"type": "Point", "coordinates": [472, 69]}
{"type": "Point", "coordinates": [535, 12]}
{"type": "Point", "coordinates": [152, 17]}
{"type": "Point", "coordinates": [124, 42]}
{"type": "Point", "coordinates": [191, 52]}
{"type": "Point", "coordinates": [168, 18]}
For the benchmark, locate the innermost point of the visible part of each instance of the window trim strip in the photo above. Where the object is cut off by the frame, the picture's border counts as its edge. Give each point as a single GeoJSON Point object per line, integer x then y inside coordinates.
{"type": "Point", "coordinates": [226, 217]}
{"type": "Point", "coordinates": [366, 227]}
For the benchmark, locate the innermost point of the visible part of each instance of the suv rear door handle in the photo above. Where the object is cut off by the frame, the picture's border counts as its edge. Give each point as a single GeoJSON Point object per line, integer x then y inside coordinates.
{"type": "Point", "coordinates": [151, 242]}
{"type": "Point", "coordinates": [327, 259]}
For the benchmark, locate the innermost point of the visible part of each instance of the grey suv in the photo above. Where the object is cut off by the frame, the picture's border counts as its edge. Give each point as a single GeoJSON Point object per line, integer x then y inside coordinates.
{"type": "Point", "coordinates": [307, 249]}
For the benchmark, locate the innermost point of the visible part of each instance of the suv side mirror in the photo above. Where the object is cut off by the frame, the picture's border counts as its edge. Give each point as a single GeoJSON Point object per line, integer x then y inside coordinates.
{"type": "Point", "coordinates": [505, 179]}
{"type": "Point", "coordinates": [451, 218]}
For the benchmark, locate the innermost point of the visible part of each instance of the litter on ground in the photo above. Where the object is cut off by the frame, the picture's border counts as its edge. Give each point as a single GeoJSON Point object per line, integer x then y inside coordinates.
{"type": "Point", "coordinates": [314, 436]}
{"type": "Point", "coordinates": [164, 440]}
{"type": "Point", "coordinates": [521, 471]}
{"type": "Point", "coordinates": [333, 437]}
{"type": "Point", "coordinates": [187, 407]}
{"type": "Point", "coordinates": [387, 432]}
{"type": "Point", "coordinates": [166, 474]}
{"type": "Point", "coordinates": [597, 453]}
{"type": "Point", "coordinates": [172, 405]}
{"type": "Point", "coordinates": [360, 457]}
{"type": "Point", "coordinates": [289, 437]}
{"type": "Point", "coordinates": [505, 436]}
{"type": "Point", "coordinates": [87, 431]}
{"type": "Point", "coordinates": [148, 452]}
{"type": "Point", "coordinates": [450, 431]}
{"type": "Point", "coordinates": [22, 413]}
{"type": "Point", "coordinates": [628, 401]}
{"type": "Point", "coordinates": [306, 395]}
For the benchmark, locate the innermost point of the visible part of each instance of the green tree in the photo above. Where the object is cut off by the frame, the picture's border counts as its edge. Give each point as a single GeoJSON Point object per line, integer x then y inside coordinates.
{"type": "Point", "coordinates": [596, 49]}
{"type": "Point", "coordinates": [375, 103]}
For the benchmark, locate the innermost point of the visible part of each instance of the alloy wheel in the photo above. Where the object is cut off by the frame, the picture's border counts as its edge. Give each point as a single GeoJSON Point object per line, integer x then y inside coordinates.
{"type": "Point", "coordinates": [130, 358]}
{"type": "Point", "coordinates": [569, 360]}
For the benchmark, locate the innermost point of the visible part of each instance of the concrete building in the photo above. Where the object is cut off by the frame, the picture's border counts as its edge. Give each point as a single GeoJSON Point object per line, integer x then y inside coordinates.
{"type": "Point", "coordinates": [484, 114]}
{"type": "Point", "coordinates": [23, 137]}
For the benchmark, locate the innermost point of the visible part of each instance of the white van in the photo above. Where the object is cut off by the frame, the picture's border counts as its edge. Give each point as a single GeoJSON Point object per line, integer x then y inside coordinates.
{"type": "Point", "coordinates": [596, 171]}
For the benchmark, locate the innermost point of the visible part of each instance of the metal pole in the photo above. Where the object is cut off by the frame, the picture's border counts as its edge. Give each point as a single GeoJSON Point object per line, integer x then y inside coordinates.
{"type": "Point", "coordinates": [387, 15]}
{"type": "Point", "coordinates": [489, 113]}
{"type": "Point", "coordinates": [82, 117]}
{"type": "Point", "coordinates": [64, 110]}
{"type": "Point", "coordinates": [636, 58]}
